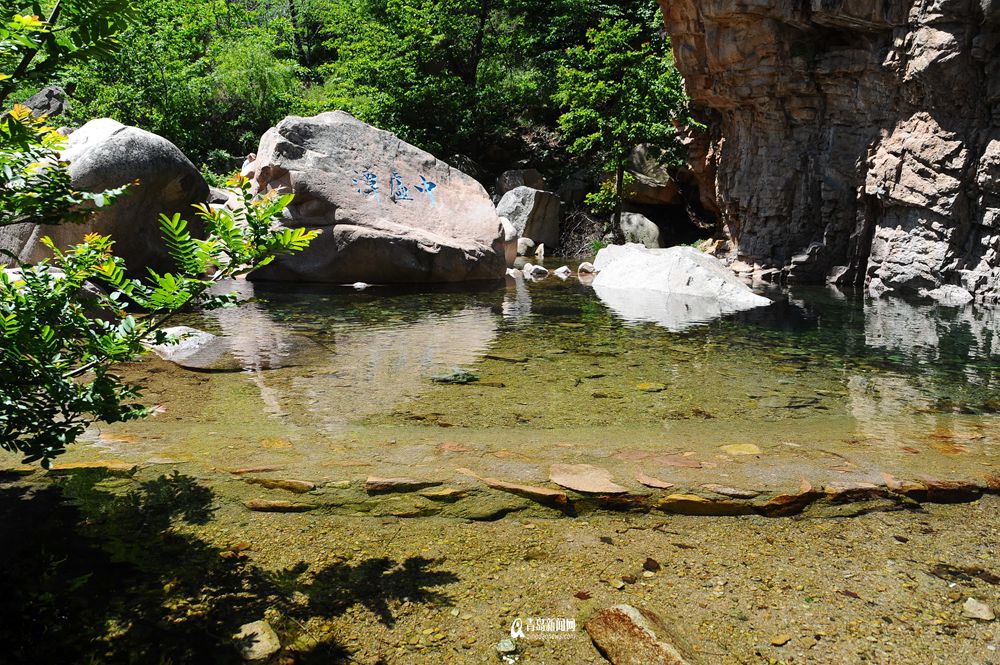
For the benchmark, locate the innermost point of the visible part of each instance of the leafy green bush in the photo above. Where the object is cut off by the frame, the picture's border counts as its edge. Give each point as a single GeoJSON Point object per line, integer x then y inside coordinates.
{"type": "Point", "coordinates": [61, 335]}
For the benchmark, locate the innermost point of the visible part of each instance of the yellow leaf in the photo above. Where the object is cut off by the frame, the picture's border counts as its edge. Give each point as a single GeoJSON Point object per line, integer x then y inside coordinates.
{"type": "Point", "coordinates": [20, 112]}
{"type": "Point", "coordinates": [28, 21]}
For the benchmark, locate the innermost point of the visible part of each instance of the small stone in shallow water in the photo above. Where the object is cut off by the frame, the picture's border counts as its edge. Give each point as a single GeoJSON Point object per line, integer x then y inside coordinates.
{"type": "Point", "coordinates": [506, 645]}
{"type": "Point", "coordinates": [977, 609]}
{"type": "Point", "coordinates": [257, 640]}
{"type": "Point", "coordinates": [457, 376]}
{"type": "Point", "coordinates": [586, 268]}
{"type": "Point", "coordinates": [781, 640]}
{"type": "Point", "coordinates": [629, 636]}
{"type": "Point", "coordinates": [532, 271]}
{"type": "Point", "coordinates": [651, 387]}
{"type": "Point", "coordinates": [650, 481]}
{"type": "Point", "coordinates": [563, 272]}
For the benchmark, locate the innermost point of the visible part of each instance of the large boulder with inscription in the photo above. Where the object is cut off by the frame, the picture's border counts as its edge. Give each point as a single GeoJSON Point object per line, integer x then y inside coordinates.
{"type": "Point", "coordinates": [388, 212]}
{"type": "Point", "coordinates": [105, 154]}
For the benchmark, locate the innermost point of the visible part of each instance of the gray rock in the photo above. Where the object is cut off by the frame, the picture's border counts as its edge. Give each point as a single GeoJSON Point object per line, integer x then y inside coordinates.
{"type": "Point", "coordinates": [575, 188]}
{"type": "Point", "coordinates": [533, 212]}
{"type": "Point", "coordinates": [104, 154]}
{"type": "Point", "coordinates": [257, 640]}
{"type": "Point", "coordinates": [506, 646]}
{"type": "Point", "coordinates": [217, 196]}
{"type": "Point", "coordinates": [629, 636]}
{"type": "Point", "coordinates": [49, 101]}
{"type": "Point", "coordinates": [509, 180]}
{"type": "Point", "coordinates": [640, 229]}
{"type": "Point", "coordinates": [652, 182]}
{"type": "Point", "coordinates": [388, 211]}
{"type": "Point", "coordinates": [531, 271]}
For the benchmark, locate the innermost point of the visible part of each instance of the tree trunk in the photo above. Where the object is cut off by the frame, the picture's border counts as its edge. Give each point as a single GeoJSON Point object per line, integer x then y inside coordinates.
{"type": "Point", "coordinates": [616, 220]}
{"type": "Point", "coordinates": [293, 16]}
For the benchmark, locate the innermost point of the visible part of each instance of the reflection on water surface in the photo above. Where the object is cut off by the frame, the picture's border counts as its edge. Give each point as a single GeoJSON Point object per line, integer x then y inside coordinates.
{"type": "Point", "coordinates": [561, 370]}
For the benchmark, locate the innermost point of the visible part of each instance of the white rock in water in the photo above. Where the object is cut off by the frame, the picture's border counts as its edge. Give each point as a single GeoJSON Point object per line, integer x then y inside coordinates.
{"type": "Point", "coordinates": [257, 640]}
{"type": "Point", "coordinates": [586, 268]}
{"type": "Point", "coordinates": [563, 272]}
{"type": "Point", "coordinates": [515, 273]}
{"type": "Point", "coordinates": [676, 287]}
{"type": "Point", "coordinates": [949, 294]}
{"type": "Point", "coordinates": [675, 270]}
{"type": "Point", "coordinates": [977, 609]}
{"type": "Point", "coordinates": [524, 245]}
{"type": "Point", "coordinates": [540, 252]}
{"type": "Point", "coordinates": [360, 286]}
{"type": "Point", "coordinates": [532, 271]}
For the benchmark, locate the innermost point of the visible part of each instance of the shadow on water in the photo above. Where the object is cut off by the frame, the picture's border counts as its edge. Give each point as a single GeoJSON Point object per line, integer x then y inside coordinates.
{"type": "Point", "coordinates": [118, 578]}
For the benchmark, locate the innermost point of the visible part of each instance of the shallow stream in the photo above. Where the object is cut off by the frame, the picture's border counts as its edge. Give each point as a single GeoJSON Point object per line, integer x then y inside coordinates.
{"type": "Point", "coordinates": [823, 385]}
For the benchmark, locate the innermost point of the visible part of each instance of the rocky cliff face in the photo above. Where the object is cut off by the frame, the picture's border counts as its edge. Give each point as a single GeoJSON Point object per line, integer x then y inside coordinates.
{"type": "Point", "coordinates": [854, 141]}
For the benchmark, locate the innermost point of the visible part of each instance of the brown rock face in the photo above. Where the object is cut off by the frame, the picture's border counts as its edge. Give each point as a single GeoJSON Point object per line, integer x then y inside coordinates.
{"type": "Point", "coordinates": [855, 141]}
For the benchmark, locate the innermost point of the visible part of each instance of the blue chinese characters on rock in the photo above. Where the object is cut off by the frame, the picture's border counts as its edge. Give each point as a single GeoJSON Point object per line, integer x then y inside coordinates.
{"type": "Point", "coordinates": [365, 182]}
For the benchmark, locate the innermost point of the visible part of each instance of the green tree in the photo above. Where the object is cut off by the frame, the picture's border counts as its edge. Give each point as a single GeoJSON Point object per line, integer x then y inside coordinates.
{"type": "Point", "coordinates": [31, 50]}
{"type": "Point", "coordinates": [211, 76]}
{"type": "Point", "coordinates": [60, 337]}
{"type": "Point", "coordinates": [619, 90]}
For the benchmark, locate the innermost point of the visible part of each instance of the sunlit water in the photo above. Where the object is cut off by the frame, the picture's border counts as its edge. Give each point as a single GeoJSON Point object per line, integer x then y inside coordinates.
{"type": "Point", "coordinates": [563, 376]}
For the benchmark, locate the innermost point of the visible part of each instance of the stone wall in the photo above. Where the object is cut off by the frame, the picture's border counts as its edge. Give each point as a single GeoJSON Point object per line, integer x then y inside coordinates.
{"type": "Point", "coordinates": [855, 141]}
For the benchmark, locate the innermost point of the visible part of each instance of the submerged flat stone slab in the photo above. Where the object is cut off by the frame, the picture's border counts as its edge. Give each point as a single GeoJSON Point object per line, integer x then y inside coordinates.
{"type": "Point", "coordinates": [540, 494]}
{"type": "Point", "coordinates": [376, 484]}
{"type": "Point", "coordinates": [297, 486]}
{"type": "Point", "coordinates": [584, 478]}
